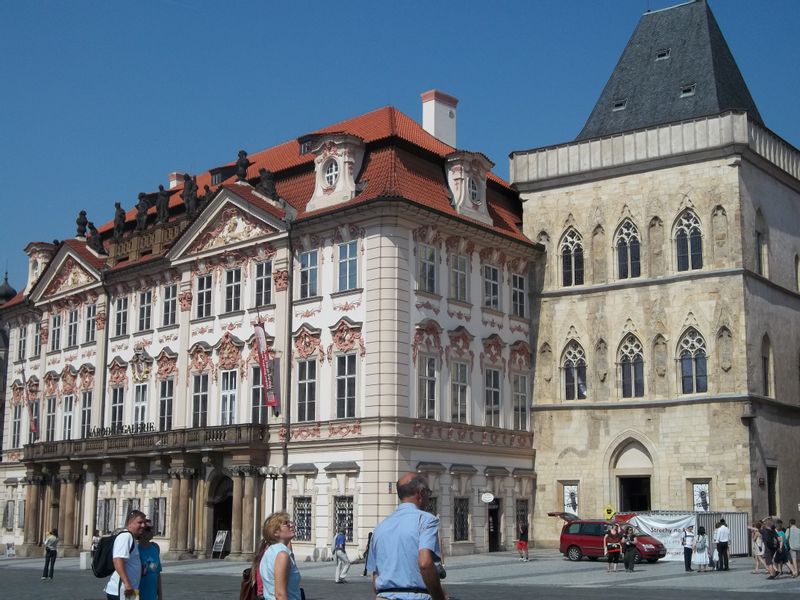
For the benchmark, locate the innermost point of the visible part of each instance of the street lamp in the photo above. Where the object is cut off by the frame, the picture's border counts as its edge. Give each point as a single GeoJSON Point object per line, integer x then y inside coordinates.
{"type": "Point", "coordinates": [273, 473]}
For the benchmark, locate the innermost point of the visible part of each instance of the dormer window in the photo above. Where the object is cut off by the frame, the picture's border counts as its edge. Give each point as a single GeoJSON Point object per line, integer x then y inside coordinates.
{"type": "Point", "coordinates": [687, 90]}
{"type": "Point", "coordinates": [216, 178]}
{"type": "Point", "coordinates": [662, 54]}
{"type": "Point", "coordinates": [620, 104]}
{"type": "Point", "coordinates": [331, 172]}
{"type": "Point", "coordinates": [474, 193]}
{"type": "Point", "coordinates": [466, 177]}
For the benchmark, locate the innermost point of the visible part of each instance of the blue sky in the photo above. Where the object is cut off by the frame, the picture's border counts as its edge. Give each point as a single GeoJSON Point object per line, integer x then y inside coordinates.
{"type": "Point", "coordinates": [102, 99]}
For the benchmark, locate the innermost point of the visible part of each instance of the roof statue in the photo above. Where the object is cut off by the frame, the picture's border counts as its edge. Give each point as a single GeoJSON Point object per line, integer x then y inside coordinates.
{"type": "Point", "coordinates": [141, 212]}
{"type": "Point", "coordinates": [189, 194]}
{"type": "Point", "coordinates": [266, 184]}
{"type": "Point", "coordinates": [119, 220]}
{"type": "Point", "coordinates": [95, 241]}
{"type": "Point", "coordinates": [162, 205]}
{"type": "Point", "coordinates": [241, 166]}
{"type": "Point", "coordinates": [81, 222]}
{"type": "Point", "coordinates": [207, 194]}
{"type": "Point", "coordinates": [676, 67]}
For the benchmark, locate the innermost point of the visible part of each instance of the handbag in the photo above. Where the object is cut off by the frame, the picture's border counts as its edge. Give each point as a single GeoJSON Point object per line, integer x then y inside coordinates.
{"type": "Point", "coordinates": [247, 591]}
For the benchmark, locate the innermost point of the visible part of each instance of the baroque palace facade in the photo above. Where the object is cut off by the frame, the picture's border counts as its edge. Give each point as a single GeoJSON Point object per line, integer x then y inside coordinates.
{"type": "Point", "coordinates": [668, 313]}
{"type": "Point", "coordinates": [390, 273]}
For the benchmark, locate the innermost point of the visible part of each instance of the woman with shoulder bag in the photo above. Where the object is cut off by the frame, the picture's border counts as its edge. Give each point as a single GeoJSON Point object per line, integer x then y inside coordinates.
{"type": "Point", "coordinates": [277, 568]}
{"type": "Point", "coordinates": [50, 553]}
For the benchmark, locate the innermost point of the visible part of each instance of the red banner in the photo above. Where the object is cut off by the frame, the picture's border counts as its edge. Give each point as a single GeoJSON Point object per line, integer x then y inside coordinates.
{"type": "Point", "coordinates": [270, 396]}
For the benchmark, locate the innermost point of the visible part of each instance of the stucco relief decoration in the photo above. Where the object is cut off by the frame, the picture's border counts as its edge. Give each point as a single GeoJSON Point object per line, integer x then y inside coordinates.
{"type": "Point", "coordinates": [70, 276]}
{"type": "Point", "coordinates": [199, 358]}
{"type": "Point", "coordinates": [460, 315]}
{"type": "Point", "coordinates": [17, 390]}
{"type": "Point", "coordinates": [44, 333]}
{"type": "Point", "coordinates": [33, 389]}
{"type": "Point", "coordinates": [344, 430]}
{"type": "Point", "coordinates": [51, 384]}
{"type": "Point", "coordinates": [518, 265]}
{"type": "Point", "coordinates": [86, 376]}
{"type": "Point", "coordinates": [230, 227]}
{"type": "Point", "coordinates": [69, 379]}
{"type": "Point", "coordinates": [229, 350]}
{"type": "Point", "coordinates": [460, 345]}
{"type": "Point", "coordinates": [100, 321]}
{"type": "Point", "coordinates": [118, 373]}
{"type": "Point", "coordinates": [520, 356]}
{"type": "Point", "coordinates": [185, 300]}
{"type": "Point", "coordinates": [427, 305]}
{"type": "Point", "coordinates": [347, 233]}
{"type": "Point", "coordinates": [303, 432]}
{"type": "Point", "coordinates": [493, 352]}
{"type": "Point", "coordinates": [427, 235]}
{"type": "Point", "coordinates": [280, 279]}
{"type": "Point", "coordinates": [346, 336]}
{"type": "Point", "coordinates": [457, 244]}
{"type": "Point", "coordinates": [141, 363]}
{"type": "Point", "coordinates": [306, 342]}
{"type": "Point", "coordinates": [166, 365]}
{"type": "Point", "coordinates": [427, 338]}
{"type": "Point", "coordinates": [492, 256]}
{"type": "Point", "coordinates": [252, 346]}
{"type": "Point", "coordinates": [347, 306]}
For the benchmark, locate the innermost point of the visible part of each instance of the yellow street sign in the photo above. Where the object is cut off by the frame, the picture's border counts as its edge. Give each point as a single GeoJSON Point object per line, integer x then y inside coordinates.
{"type": "Point", "coordinates": [609, 511]}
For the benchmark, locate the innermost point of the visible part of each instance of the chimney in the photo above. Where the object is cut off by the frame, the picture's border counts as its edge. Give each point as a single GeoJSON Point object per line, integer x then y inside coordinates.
{"type": "Point", "coordinates": [439, 116]}
{"type": "Point", "coordinates": [175, 179]}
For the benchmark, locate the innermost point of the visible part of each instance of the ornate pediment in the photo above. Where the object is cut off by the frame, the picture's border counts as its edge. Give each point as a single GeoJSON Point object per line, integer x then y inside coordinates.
{"type": "Point", "coordinates": [231, 225]}
{"type": "Point", "coordinates": [69, 276]}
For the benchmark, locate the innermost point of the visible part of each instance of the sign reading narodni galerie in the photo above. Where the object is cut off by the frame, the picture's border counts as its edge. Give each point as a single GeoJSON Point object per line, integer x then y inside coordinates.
{"type": "Point", "coordinates": [122, 430]}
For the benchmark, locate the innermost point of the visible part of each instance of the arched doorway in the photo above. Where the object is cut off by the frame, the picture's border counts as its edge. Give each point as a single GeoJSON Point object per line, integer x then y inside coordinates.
{"type": "Point", "coordinates": [220, 501]}
{"type": "Point", "coordinates": [632, 472]}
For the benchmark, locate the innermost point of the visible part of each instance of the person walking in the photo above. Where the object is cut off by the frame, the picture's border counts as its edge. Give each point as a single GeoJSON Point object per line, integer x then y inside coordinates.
{"type": "Point", "coordinates": [340, 557]}
{"type": "Point", "coordinates": [723, 538]}
{"type": "Point", "coordinates": [782, 556]}
{"type": "Point", "coordinates": [405, 546]}
{"type": "Point", "coordinates": [700, 550]}
{"type": "Point", "coordinates": [629, 549]}
{"type": "Point", "coordinates": [522, 540]}
{"type": "Point", "coordinates": [688, 543]}
{"type": "Point", "coordinates": [612, 547]}
{"type": "Point", "coordinates": [150, 555]}
{"type": "Point", "coordinates": [124, 581]}
{"type": "Point", "coordinates": [793, 538]}
{"type": "Point", "coordinates": [278, 569]}
{"type": "Point", "coordinates": [758, 549]}
{"type": "Point", "coordinates": [771, 543]}
{"type": "Point", "coordinates": [50, 553]}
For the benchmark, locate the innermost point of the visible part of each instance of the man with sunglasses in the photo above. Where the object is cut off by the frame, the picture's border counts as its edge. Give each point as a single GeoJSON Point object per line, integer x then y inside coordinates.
{"type": "Point", "coordinates": [405, 547]}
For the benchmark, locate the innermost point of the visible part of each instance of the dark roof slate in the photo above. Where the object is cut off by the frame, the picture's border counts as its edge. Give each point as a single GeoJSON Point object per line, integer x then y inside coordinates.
{"type": "Point", "coordinates": [698, 55]}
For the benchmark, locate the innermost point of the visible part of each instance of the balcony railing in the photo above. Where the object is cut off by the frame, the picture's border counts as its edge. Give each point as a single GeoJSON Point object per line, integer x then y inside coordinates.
{"type": "Point", "coordinates": [237, 436]}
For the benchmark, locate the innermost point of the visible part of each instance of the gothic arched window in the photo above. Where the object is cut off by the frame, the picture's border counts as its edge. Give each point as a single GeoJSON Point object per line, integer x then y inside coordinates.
{"type": "Point", "coordinates": [627, 243]}
{"type": "Point", "coordinates": [572, 259]}
{"type": "Point", "coordinates": [574, 366]}
{"type": "Point", "coordinates": [631, 365]}
{"type": "Point", "coordinates": [692, 356]}
{"type": "Point", "coordinates": [689, 242]}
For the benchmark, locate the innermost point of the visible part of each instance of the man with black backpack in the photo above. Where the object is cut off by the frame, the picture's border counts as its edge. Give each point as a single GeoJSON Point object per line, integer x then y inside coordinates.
{"type": "Point", "coordinates": [127, 565]}
{"type": "Point", "coordinates": [770, 538]}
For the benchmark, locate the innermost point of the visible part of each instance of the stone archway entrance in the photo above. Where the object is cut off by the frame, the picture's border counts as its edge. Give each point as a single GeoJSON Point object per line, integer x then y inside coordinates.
{"type": "Point", "coordinates": [632, 472]}
{"type": "Point", "coordinates": [220, 504]}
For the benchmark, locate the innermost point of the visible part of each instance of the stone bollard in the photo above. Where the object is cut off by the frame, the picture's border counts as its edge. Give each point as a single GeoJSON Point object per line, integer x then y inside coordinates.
{"type": "Point", "coordinates": [86, 561]}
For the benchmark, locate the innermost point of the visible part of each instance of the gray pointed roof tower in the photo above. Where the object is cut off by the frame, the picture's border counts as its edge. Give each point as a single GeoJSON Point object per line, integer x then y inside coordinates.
{"type": "Point", "coordinates": [676, 66]}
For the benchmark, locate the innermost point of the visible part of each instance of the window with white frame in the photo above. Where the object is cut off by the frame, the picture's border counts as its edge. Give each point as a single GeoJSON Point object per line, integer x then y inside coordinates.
{"type": "Point", "coordinates": [692, 356]}
{"type": "Point", "coordinates": [346, 386]}
{"type": "Point", "coordinates": [307, 390]}
{"type": "Point", "coordinates": [140, 404]}
{"type": "Point", "coordinates": [121, 317]}
{"type": "Point", "coordinates": [459, 392]}
{"type": "Point", "coordinates": [90, 324]}
{"type": "Point", "coordinates": [628, 251]}
{"type": "Point", "coordinates": [518, 295]}
{"type": "Point", "coordinates": [519, 390]}
{"type": "Point", "coordinates": [68, 403]}
{"type": "Point", "coordinates": [308, 274]}
{"type": "Point", "coordinates": [233, 290]}
{"type": "Point", "coordinates": [55, 333]}
{"type": "Point", "coordinates": [200, 400]}
{"type": "Point", "coordinates": [117, 408]}
{"type": "Point", "coordinates": [37, 338]}
{"type": "Point", "coordinates": [348, 265]}
{"type": "Point", "coordinates": [426, 387]}
{"type": "Point", "coordinates": [571, 258]}
{"type": "Point", "coordinates": [165, 400]}
{"type": "Point", "coordinates": [16, 426]}
{"type": "Point", "coordinates": [492, 397]}
{"type": "Point", "coordinates": [22, 342]}
{"type": "Point", "coordinates": [145, 310]}
{"type": "Point", "coordinates": [86, 413]}
{"type": "Point", "coordinates": [491, 287]}
{"type": "Point", "coordinates": [228, 383]}
{"type": "Point", "coordinates": [302, 518]}
{"type": "Point", "coordinates": [259, 412]}
{"type": "Point", "coordinates": [426, 268]}
{"type": "Point", "coordinates": [459, 277]}
{"type": "Point", "coordinates": [203, 296]}
{"type": "Point", "coordinates": [573, 365]}
{"type": "Point", "coordinates": [264, 283]}
{"type": "Point", "coordinates": [50, 420]}
{"type": "Point", "coordinates": [169, 307]}
{"type": "Point", "coordinates": [331, 172]}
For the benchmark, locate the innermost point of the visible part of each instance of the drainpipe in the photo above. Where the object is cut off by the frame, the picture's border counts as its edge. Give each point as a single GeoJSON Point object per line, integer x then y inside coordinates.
{"type": "Point", "coordinates": [289, 217]}
{"type": "Point", "coordinates": [106, 338]}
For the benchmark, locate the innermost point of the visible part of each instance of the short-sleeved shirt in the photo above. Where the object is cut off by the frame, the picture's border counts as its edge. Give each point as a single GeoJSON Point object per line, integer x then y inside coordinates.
{"type": "Point", "coordinates": [267, 570]}
{"type": "Point", "coordinates": [394, 552]}
{"type": "Point", "coordinates": [133, 564]}
{"type": "Point", "coordinates": [523, 533]}
{"type": "Point", "coordinates": [151, 567]}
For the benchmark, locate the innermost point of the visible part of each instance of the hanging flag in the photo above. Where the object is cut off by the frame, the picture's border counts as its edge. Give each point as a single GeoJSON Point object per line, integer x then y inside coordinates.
{"type": "Point", "coordinates": [270, 396]}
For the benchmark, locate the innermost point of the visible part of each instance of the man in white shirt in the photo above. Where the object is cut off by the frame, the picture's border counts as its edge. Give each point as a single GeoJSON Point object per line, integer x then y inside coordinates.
{"type": "Point", "coordinates": [793, 539]}
{"type": "Point", "coordinates": [723, 537]}
{"type": "Point", "coordinates": [127, 565]}
{"type": "Point", "coordinates": [688, 543]}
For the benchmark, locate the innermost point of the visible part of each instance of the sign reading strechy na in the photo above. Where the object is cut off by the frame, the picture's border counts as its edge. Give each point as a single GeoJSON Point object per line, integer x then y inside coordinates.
{"type": "Point", "coordinates": [667, 529]}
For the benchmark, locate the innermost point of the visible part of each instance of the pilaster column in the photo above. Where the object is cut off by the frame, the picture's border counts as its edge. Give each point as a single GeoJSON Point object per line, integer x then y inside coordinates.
{"type": "Point", "coordinates": [174, 508]}
{"type": "Point", "coordinates": [88, 507]}
{"type": "Point", "coordinates": [247, 509]}
{"type": "Point", "coordinates": [236, 520]}
{"type": "Point", "coordinates": [68, 482]}
{"type": "Point", "coordinates": [32, 509]}
{"type": "Point", "coordinates": [62, 505]}
{"type": "Point", "coordinates": [183, 503]}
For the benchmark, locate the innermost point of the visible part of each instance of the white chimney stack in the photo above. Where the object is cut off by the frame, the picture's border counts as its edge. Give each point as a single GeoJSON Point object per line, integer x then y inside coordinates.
{"type": "Point", "coordinates": [439, 116]}
{"type": "Point", "coordinates": [175, 179]}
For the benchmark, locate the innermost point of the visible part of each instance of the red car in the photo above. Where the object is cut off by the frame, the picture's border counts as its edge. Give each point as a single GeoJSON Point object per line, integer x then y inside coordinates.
{"type": "Point", "coordinates": [584, 537]}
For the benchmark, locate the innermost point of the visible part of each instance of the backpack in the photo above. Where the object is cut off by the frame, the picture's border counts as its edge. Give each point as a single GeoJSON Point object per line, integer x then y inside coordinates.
{"type": "Point", "coordinates": [770, 539]}
{"type": "Point", "coordinates": [701, 543]}
{"type": "Point", "coordinates": [103, 559]}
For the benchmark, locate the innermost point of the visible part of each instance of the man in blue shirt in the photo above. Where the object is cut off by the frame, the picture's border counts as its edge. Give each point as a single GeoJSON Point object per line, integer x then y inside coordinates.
{"type": "Point", "coordinates": [340, 556]}
{"type": "Point", "coordinates": [405, 547]}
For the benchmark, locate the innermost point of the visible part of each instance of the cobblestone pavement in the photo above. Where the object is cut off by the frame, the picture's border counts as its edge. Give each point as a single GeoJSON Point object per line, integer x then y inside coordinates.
{"type": "Point", "coordinates": [497, 576]}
